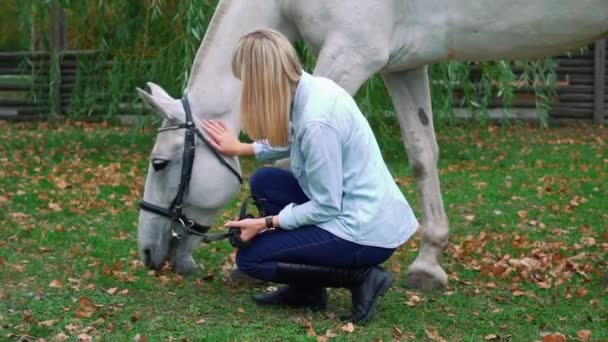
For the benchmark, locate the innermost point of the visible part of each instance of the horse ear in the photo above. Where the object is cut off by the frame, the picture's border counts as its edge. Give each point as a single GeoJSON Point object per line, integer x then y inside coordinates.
{"type": "Point", "coordinates": [166, 107]}
{"type": "Point", "coordinates": [158, 91]}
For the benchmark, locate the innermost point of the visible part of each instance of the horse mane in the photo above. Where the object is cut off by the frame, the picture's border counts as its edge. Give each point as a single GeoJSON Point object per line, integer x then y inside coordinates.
{"type": "Point", "coordinates": [219, 14]}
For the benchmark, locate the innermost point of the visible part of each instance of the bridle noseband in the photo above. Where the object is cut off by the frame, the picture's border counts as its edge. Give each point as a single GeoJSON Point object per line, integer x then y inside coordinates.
{"type": "Point", "coordinates": [174, 212]}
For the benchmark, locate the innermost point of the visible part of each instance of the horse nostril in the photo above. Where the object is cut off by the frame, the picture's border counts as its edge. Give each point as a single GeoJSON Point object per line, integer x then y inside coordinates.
{"type": "Point", "coordinates": [147, 257]}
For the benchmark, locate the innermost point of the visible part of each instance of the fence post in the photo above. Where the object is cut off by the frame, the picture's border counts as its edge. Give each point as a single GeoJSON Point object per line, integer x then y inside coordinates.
{"type": "Point", "coordinates": [599, 82]}
{"type": "Point", "coordinates": [58, 45]}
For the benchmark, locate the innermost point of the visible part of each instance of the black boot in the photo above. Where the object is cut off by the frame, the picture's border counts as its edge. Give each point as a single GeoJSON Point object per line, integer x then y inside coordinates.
{"type": "Point", "coordinates": [295, 296]}
{"type": "Point", "coordinates": [365, 284]}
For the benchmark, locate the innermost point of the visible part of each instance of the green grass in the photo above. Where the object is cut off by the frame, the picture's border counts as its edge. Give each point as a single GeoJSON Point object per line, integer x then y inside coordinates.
{"type": "Point", "coordinates": [528, 244]}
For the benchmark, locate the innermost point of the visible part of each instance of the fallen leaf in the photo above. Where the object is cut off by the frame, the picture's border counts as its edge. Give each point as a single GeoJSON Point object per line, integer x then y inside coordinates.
{"type": "Point", "coordinates": [349, 328]}
{"type": "Point", "coordinates": [86, 302]}
{"type": "Point", "coordinates": [112, 290]}
{"type": "Point", "coordinates": [56, 284]}
{"type": "Point", "coordinates": [310, 331]}
{"type": "Point", "coordinates": [84, 338]}
{"type": "Point", "coordinates": [60, 337]}
{"type": "Point", "coordinates": [139, 338]}
{"type": "Point", "coordinates": [201, 321]}
{"type": "Point", "coordinates": [83, 313]}
{"type": "Point", "coordinates": [124, 292]}
{"type": "Point", "coordinates": [581, 292]}
{"type": "Point", "coordinates": [86, 308]}
{"type": "Point", "coordinates": [48, 323]}
{"type": "Point", "coordinates": [490, 337]}
{"type": "Point", "coordinates": [71, 328]}
{"type": "Point", "coordinates": [241, 310]}
{"type": "Point", "coordinates": [584, 335]}
{"type": "Point", "coordinates": [54, 206]}
{"type": "Point", "coordinates": [554, 337]}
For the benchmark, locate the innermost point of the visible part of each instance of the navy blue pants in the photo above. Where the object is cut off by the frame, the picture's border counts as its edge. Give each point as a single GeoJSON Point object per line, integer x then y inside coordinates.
{"type": "Point", "coordinates": [308, 245]}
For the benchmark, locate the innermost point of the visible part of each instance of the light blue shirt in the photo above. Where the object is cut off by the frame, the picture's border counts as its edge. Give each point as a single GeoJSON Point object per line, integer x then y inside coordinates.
{"type": "Point", "coordinates": [337, 162]}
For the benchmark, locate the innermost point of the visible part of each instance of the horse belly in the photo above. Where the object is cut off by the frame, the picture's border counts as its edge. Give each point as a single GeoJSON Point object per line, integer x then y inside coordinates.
{"type": "Point", "coordinates": [522, 29]}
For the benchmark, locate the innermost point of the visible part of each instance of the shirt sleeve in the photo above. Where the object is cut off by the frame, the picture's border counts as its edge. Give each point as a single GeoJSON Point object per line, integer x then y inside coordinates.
{"type": "Point", "coordinates": [264, 152]}
{"type": "Point", "coordinates": [323, 168]}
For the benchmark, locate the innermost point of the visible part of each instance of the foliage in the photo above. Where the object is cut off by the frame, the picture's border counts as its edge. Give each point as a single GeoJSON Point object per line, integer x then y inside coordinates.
{"type": "Point", "coordinates": [156, 40]}
{"type": "Point", "coordinates": [527, 247]}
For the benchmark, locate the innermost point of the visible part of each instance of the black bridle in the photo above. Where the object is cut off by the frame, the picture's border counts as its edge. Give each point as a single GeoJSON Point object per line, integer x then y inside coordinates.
{"type": "Point", "coordinates": [174, 212]}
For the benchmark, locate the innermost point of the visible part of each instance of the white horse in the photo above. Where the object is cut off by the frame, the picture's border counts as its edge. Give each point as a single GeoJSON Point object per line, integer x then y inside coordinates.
{"type": "Point", "coordinates": [353, 41]}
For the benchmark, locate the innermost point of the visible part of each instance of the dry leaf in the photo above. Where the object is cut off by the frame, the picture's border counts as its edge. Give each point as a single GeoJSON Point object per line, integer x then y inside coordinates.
{"type": "Point", "coordinates": [349, 327]}
{"type": "Point", "coordinates": [584, 335]}
{"type": "Point", "coordinates": [201, 321]}
{"type": "Point", "coordinates": [56, 284]}
{"type": "Point", "coordinates": [310, 331]}
{"type": "Point", "coordinates": [112, 290]}
{"type": "Point", "coordinates": [84, 338]}
{"type": "Point", "coordinates": [48, 323]}
{"type": "Point", "coordinates": [581, 292]}
{"type": "Point", "coordinates": [554, 337]}
{"type": "Point", "coordinates": [241, 310]}
{"type": "Point", "coordinates": [86, 309]}
{"type": "Point", "coordinates": [139, 338]}
{"type": "Point", "coordinates": [84, 313]}
{"type": "Point", "coordinates": [490, 337]}
{"type": "Point", "coordinates": [124, 292]}
{"type": "Point", "coordinates": [60, 337]}
{"type": "Point", "coordinates": [54, 206]}
{"type": "Point", "coordinates": [86, 302]}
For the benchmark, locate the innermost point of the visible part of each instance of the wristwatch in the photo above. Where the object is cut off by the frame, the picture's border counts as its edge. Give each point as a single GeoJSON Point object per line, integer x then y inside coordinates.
{"type": "Point", "coordinates": [269, 223]}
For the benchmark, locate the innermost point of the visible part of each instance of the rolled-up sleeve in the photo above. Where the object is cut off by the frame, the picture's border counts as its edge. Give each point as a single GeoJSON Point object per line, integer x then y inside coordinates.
{"type": "Point", "coordinates": [323, 168]}
{"type": "Point", "coordinates": [264, 152]}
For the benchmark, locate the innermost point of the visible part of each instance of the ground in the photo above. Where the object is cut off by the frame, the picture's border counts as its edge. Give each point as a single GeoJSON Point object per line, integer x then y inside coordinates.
{"type": "Point", "coordinates": [528, 245]}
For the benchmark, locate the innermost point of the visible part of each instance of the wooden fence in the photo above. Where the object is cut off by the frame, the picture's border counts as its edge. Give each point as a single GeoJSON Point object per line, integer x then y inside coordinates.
{"type": "Point", "coordinates": [28, 90]}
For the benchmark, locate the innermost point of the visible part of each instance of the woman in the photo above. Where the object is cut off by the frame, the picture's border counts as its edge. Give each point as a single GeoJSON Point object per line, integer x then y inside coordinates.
{"type": "Point", "coordinates": [338, 214]}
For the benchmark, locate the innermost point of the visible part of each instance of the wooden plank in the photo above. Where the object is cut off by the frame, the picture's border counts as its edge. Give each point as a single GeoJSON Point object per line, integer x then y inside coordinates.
{"type": "Point", "coordinates": [582, 70]}
{"type": "Point", "coordinates": [571, 113]}
{"type": "Point", "coordinates": [599, 81]}
{"type": "Point", "coordinates": [581, 79]}
{"type": "Point", "coordinates": [583, 105]}
{"type": "Point", "coordinates": [569, 97]}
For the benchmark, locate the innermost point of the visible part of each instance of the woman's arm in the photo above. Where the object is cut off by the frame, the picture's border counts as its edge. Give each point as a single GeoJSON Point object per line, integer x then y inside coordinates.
{"type": "Point", "coordinates": [323, 168]}
{"type": "Point", "coordinates": [227, 143]}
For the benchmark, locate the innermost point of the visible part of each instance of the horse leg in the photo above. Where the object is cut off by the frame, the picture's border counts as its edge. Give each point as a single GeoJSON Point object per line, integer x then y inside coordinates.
{"type": "Point", "coordinates": [349, 65]}
{"type": "Point", "coordinates": [410, 94]}
{"type": "Point", "coordinates": [183, 262]}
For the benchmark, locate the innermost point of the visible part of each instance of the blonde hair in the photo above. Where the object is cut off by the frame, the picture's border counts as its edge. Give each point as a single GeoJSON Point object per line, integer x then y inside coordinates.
{"type": "Point", "coordinates": [268, 67]}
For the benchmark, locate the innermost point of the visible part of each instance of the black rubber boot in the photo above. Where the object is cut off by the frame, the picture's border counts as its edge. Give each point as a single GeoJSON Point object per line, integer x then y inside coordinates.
{"type": "Point", "coordinates": [365, 284]}
{"type": "Point", "coordinates": [295, 296]}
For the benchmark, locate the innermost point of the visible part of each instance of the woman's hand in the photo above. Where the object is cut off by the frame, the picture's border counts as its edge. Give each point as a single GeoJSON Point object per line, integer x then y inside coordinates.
{"type": "Point", "coordinates": [249, 227]}
{"type": "Point", "coordinates": [222, 139]}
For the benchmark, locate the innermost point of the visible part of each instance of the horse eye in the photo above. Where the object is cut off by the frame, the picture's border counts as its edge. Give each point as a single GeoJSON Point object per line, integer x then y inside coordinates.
{"type": "Point", "coordinates": [159, 164]}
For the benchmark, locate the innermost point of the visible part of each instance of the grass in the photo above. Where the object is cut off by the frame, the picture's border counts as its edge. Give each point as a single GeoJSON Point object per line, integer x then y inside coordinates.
{"type": "Point", "coordinates": [528, 244]}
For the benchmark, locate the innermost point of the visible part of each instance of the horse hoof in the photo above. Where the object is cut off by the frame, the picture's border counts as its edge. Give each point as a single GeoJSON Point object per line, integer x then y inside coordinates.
{"type": "Point", "coordinates": [185, 267]}
{"type": "Point", "coordinates": [424, 281]}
